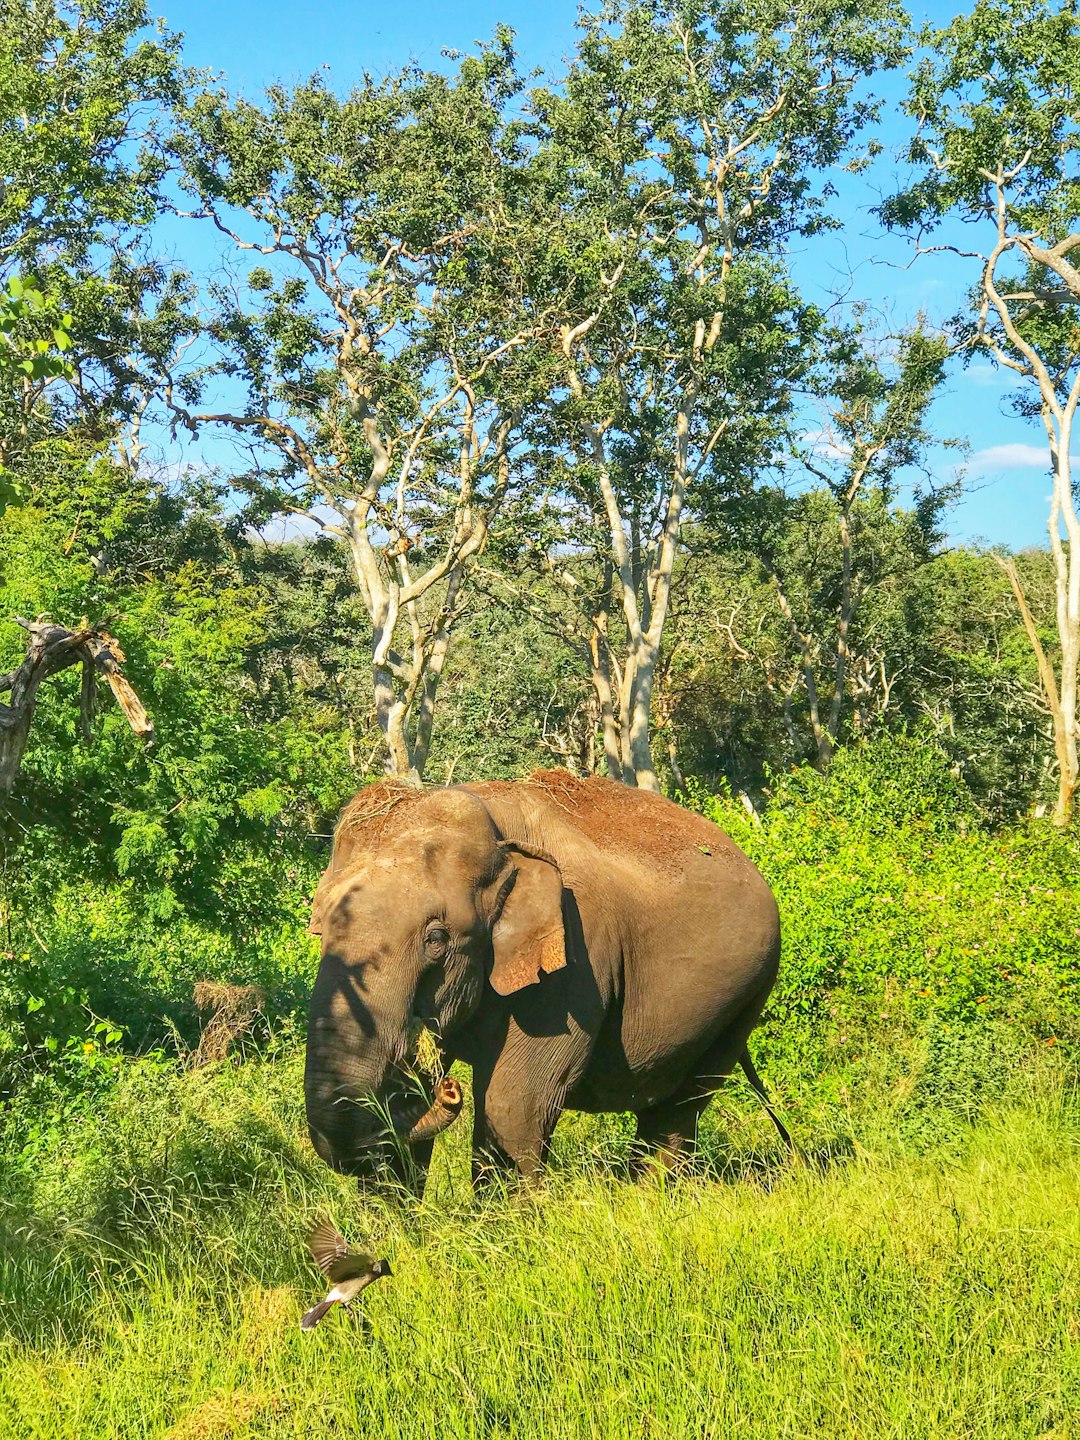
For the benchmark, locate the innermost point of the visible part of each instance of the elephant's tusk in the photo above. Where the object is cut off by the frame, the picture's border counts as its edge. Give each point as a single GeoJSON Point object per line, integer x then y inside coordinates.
{"type": "Point", "coordinates": [444, 1110]}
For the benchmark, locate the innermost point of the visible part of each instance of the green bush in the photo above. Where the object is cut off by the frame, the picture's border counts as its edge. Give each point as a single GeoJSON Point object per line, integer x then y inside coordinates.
{"type": "Point", "coordinates": [96, 964]}
{"type": "Point", "coordinates": [900, 910]}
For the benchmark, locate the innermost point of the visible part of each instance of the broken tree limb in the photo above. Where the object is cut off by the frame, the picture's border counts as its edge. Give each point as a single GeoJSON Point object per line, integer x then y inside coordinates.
{"type": "Point", "coordinates": [50, 649]}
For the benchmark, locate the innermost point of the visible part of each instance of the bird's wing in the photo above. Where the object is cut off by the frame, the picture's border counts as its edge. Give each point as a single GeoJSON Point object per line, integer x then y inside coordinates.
{"type": "Point", "coordinates": [349, 1267]}
{"type": "Point", "coordinates": [327, 1246]}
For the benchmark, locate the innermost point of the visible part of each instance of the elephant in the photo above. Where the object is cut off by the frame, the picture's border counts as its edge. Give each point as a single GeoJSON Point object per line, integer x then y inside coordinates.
{"type": "Point", "coordinates": [579, 943]}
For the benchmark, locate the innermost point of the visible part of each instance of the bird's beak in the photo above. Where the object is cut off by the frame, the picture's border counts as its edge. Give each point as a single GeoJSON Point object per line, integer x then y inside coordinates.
{"type": "Point", "coordinates": [384, 1267]}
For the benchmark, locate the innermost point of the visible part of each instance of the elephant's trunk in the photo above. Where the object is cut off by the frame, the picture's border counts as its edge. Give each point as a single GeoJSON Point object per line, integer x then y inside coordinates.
{"type": "Point", "coordinates": [343, 1119]}
{"type": "Point", "coordinates": [441, 1114]}
{"type": "Point", "coordinates": [358, 1100]}
{"type": "Point", "coordinates": [345, 1078]}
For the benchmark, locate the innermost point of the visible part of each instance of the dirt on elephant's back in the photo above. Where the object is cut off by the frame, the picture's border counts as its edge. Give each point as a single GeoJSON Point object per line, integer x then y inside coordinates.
{"type": "Point", "coordinates": [374, 812]}
{"type": "Point", "coordinates": [613, 817]}
{"type": "Point", "coordinates": [616, 817]}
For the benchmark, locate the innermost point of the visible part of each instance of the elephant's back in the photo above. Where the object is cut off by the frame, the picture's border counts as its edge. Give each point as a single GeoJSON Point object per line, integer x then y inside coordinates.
{"type": "Point", "coordinates": [658, 879]}
{"type": "Point", "coordinates": [615, 821]}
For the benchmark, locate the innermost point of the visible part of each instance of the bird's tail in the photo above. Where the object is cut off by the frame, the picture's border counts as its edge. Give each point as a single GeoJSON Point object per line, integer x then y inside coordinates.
{"type": "Point", "coordinates": [315, 1314]}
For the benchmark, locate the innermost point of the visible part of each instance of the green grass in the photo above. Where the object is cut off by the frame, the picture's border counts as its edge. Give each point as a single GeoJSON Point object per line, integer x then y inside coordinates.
{"type": "Point", "coordinates": [153, 1273]}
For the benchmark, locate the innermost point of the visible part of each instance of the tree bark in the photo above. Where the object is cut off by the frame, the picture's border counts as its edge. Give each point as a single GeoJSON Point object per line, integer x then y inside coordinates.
{"type": "Point", "coordinates": [600, 674]}
{"type": "Point", "coordinates": [1059, 403]}
{"type": "Point", "coordinates": [1056, 699]}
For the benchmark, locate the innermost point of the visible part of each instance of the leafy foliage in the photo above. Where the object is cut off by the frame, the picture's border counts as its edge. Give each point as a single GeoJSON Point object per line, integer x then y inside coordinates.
{"type": "Point", "coordinates": [900, 908]}
{"type": "Point", "coordinates": [86, 87]}
{"type": "Point", "coordinates": [996, 146]}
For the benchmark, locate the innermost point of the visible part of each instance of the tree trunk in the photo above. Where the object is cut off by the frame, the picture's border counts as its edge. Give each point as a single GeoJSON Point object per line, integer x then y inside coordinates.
{"type": "Point", "coordinates": [1063, 721]}
{"type": "Point", "coordinates": [640, 707]}
{"type": "Point", "coordinates": [1067, 586]}
{"type": "Point", "coordinates": [433, 664]}
{"type": "Point", "coordinates": [600, 674]}
{"type": "Point", "coordinates": [822, 739]}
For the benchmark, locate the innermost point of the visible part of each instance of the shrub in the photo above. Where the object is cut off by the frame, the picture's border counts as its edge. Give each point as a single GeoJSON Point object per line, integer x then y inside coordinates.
{"type": "Point", "coordinates": [899, 908]}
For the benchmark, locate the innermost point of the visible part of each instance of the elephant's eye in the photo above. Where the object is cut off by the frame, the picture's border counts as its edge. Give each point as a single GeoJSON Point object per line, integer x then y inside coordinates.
{"type": "Point", "coordinates": [435, 942]}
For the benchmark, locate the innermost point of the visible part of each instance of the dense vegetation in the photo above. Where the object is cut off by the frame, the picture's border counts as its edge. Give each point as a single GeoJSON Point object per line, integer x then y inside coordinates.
{"type": "Point", "coordinates": [889, 1295]}
{"type": "Point", "coordinates": [574, 472]}
{"type": "Point", "coordinates": [921, 1045]}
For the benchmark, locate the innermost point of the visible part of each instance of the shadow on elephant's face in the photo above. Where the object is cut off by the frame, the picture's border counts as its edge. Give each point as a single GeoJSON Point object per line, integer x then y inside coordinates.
{"type": "Point", "coordinates": [404, 946]}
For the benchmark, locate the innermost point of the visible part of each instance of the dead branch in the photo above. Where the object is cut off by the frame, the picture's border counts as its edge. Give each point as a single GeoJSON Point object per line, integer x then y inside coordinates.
{"type": "Point", "coordinates": [52, 648]}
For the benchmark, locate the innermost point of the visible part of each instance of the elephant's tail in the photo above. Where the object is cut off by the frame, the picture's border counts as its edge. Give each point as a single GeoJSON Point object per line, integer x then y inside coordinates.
{"type": "Point", "coordinates": [759, 1089]}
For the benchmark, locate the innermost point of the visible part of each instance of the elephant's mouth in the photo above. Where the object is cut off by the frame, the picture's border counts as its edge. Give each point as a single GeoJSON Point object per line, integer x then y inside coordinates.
{"type": "Point", "coordinates": [367, 1132]}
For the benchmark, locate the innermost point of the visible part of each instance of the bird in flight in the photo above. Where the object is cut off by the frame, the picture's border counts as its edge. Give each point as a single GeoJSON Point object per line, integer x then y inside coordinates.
{"type": "Point", "coordinates": [349, 1272]}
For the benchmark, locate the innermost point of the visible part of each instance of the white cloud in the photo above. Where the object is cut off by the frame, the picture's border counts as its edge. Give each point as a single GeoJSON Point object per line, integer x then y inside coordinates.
{"type": "Point", "coordinates": [1015, 456]}
{"type": "Point", "coordinates": [822, 443]}
{"type": "Point", "coordinates": [985, 375]}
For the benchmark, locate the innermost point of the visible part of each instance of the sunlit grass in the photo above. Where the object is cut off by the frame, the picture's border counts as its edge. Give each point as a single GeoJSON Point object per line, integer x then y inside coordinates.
{"type": "Point", "coordinates": [154, 1273]}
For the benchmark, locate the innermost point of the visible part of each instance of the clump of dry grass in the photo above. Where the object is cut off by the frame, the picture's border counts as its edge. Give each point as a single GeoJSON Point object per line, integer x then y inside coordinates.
{"type": "Point", "coordinates": [233, 1011]}
{"type": "Point", "coordinates": [219, 1416]}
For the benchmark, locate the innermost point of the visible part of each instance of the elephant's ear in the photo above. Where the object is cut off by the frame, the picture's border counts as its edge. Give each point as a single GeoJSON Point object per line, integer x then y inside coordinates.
{"type": "Point", "coordinates": [527, 937]}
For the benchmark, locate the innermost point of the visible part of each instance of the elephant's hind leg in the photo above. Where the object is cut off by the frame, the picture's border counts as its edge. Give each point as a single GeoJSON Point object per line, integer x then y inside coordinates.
{"type": "Point", "coordinates": [667, 1133]}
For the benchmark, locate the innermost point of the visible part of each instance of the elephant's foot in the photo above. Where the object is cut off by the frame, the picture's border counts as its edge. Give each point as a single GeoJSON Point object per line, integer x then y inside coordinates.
{"type": "Point", "coordinates": [493, 1169]}
{"type": "Point", "coordinates": [652, 1163]}
{"type": "Point", "coordinates": [666, 1136]}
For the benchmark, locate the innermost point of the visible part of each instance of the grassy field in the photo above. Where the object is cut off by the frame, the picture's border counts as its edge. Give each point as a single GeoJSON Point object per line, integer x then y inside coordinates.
{"type": "Point", "coordinates": [154, 1271]}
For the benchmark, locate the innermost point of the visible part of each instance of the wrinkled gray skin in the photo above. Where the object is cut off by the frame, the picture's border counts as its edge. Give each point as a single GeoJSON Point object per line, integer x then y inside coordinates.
{"type": "Point", "coordinates": [569, 974]}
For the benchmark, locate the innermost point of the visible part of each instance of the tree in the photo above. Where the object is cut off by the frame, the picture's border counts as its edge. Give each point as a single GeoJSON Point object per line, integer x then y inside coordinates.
{"type": "Point", "coordinates": [23, 364]}
{"type": "Point", "coordinates": [241, 766]}
{"type": "Point", "coordinates": [85, 87]}
{"type": "Point", "coordinates": [684, 152]}
{"type": "Point", "coordinates": [997, 105]}
{"type": "Point", "coordinates": [383, 347]}
{"type": "Point", "coordinates": [970, 675]}
{"type": "Point", "coordinates": [829, 550]}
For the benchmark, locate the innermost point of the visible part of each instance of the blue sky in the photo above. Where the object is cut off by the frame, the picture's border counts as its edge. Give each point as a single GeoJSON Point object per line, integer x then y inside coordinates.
{"type": "Point", "coordinates": [255, 44]}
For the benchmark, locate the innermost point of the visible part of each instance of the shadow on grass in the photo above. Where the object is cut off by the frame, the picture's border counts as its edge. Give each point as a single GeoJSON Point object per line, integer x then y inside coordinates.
{"type": "Point", "coordinates": [217, 1200]}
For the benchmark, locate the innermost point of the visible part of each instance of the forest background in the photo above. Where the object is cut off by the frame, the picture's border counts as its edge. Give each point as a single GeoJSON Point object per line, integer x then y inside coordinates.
{"type": "Point", "coordinates": [641, 417]}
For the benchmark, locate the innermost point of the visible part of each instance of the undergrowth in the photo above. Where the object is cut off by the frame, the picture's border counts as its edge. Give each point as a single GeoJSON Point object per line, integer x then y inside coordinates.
{"type": "Point", "coordinates": [153, 1271]}
{"type": "Point", "coordinates": [916, 1273]}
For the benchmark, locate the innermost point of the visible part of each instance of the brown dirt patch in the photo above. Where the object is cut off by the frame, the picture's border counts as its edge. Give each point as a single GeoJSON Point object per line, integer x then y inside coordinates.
{"type": "Point", "coordinates": [377, 812]}
{"type": "Point", "coordinates": [616, 817]}
{"type": "Point", "coordinates": [613, 817]}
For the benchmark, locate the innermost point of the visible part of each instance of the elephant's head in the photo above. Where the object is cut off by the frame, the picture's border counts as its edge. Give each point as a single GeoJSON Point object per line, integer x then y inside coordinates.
{"type": "Point", "coordinates": [423, 908]}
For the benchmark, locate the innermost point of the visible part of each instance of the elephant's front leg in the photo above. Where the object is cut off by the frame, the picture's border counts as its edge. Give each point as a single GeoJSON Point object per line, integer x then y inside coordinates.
{"type": "Point", "coordinates": [514, 1118]}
